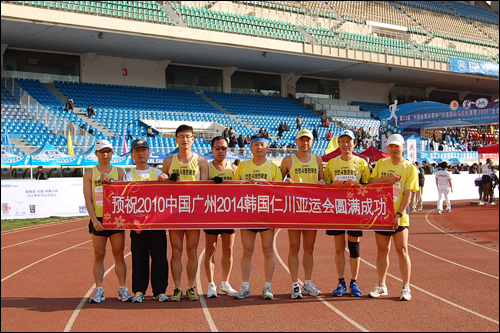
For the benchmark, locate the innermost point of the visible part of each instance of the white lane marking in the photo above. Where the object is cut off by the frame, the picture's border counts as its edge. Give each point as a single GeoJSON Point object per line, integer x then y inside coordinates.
{"type": "Point", "coordinates": [437, 297]}
{"type": "Point", "coordinates": [75, 314]}
{"type": "Point", "coordinates": [49, 224]}
{"type": "Point", "coordinates": [204, 306]}
{"type": "Point", "coordinates": [464, 240]}
{"type": "Point", "coordinates": [352, 322]}
{"type": "Point", "coordinates": [454, 263]}
{"type": "Point", "coordinates": [35, 239]}
{"type": "Point", "coordinates": [36, 262]}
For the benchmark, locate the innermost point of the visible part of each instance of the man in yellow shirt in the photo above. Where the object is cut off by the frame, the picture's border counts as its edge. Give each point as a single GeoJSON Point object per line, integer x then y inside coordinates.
{"type": "Point", "coordinates": [302, 167]}
{"type": "Point", "coordinates": [186, 166]}
{"type": "Point", "coordinates": [258, 168]}
{"type": "Point", "coordinates": [404, 177]}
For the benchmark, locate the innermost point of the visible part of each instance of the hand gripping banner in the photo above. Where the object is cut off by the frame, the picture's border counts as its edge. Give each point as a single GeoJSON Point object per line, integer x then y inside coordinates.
{"type": "Point", "coordinates": [246, 205]}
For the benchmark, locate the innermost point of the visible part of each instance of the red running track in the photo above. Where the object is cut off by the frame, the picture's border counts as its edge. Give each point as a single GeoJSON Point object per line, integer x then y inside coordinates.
{"type": "Point", "coordinates": [47, 279]}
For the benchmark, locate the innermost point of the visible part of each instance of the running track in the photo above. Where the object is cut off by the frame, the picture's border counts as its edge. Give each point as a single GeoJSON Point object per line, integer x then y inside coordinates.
{"type": "Point", "coordinates": [47, 279]}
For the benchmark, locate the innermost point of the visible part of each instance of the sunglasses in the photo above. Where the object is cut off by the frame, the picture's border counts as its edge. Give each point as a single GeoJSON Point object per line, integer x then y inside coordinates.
{"type": "Point", "coordinates": [220, 148]}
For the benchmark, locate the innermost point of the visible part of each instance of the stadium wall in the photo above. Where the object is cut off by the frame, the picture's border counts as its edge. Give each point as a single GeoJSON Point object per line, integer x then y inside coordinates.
{"type": "Point", "coordinates": [123, 71]}
{"type": "Point", "coordinates": [364, 91]}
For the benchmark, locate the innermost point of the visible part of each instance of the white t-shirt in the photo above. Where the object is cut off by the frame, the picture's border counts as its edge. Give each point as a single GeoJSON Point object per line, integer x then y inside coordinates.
{"type": "Point", "coordinates": [142, 173]}
{"type": "Point", "coordinates": [443, 177]}
{"type": "Point", "coordinates": [486, 169]}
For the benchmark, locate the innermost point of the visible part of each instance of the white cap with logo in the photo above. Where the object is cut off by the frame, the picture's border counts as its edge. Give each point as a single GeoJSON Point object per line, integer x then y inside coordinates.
{"type": "Point", "coordinates": [396, 139]}
{"type": "Point", "coordinates": [101, 144]}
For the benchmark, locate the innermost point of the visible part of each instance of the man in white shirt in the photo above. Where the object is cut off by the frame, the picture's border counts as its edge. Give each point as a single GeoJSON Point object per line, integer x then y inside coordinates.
{"type": "Point", "coordinates": [444, 185]}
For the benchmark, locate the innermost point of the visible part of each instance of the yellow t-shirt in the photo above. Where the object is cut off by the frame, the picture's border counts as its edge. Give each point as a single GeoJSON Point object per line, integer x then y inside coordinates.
{"type": "Point", "coordinates": [304, 172]}
{"type": "Point", "coordinates": [152, 175]}
{"type": "Point", "coordinates": [268, 171]}
{"type": "Point", "coordinates": [189, 171]}
{"type": "Point", "coordinates": [225, 175]}
{"type": "Point", "coordinates": [355, 169]}
{"type": "Point", "coordinates": [97, 189]}
{"type": "Point", "coordinates": [408, 181]}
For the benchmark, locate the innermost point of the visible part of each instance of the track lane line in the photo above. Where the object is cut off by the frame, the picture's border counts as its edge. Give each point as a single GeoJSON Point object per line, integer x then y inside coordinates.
{"type": "Point", "coordinates": [35, 239]}
{"type": "Point", "coordinates": [337, 311]}
{"type": "Point", "coordinates": [204, 306]}
{"type": "Point", "coordinates": [463, 240]}
{"type": "Point", "coordinates": [39, 261]}
{"type": "Point", "coordinates": [49, 224]}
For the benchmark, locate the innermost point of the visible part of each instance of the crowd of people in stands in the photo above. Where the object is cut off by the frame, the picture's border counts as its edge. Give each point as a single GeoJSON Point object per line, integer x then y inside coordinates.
{"type": "Point", "coordinates": [463, 138]}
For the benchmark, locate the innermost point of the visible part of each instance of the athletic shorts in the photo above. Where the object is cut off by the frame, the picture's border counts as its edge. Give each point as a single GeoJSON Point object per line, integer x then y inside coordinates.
{"type": "Point", "coordinates": [352, 233]}
{"type": "Point", "coordinates": [486, 179]}
{"type": "Point", "coordinates": [105, 233]}
{"type": "Point", "coordinates": [218, 231]}
{"type": "Point", "coordinates": [258, 230]}
{"type": "Point", "coordinates": [390, 233]}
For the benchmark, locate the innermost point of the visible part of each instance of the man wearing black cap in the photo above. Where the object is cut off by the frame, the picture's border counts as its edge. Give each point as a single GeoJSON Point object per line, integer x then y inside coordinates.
{"type": "Point", "coordinates": [146, 243]}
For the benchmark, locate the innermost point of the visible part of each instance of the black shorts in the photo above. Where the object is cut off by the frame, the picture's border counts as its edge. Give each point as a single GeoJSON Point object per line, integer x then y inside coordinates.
{"type": "Point", "coordinates": [258, 230]}
{"type": "Point", "coordinates": [352, 233]}
{"type": "Point", "coordinates": [486, 179]}
{"type": "Point", "coordinates": [218, 231]}
{"type": "Point", "coordinates": [105, 233]}
{"type": "Point", "coordinates": [390, 233]}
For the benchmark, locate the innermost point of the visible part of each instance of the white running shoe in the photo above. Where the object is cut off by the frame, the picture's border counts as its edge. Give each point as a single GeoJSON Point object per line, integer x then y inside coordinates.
{"type": "Point", "coordinates": [98, 296]}
{"type": "Point", "coordinates": [406, 294]}
{"type": "Point", "coordinates": [310, 289]}
{"type": "Point", "coordinates": [448, 210]}
{"type": "Point", "coordinates": [243, 293]}
{"type": "Point", "coordinates": [267, 293]}
{"type": "Point", "coordinates": [123, 295]}
{"type": "Point", "coordinates": [227, 290]}
{"type": "Point", "coordinates": [296, 293]}
{"type": "Point", "coordinates": [378, 291]}
{"type": "Point", "coordinates": [212, 291]}
{"type": "Point", "coordinates": [439, 211]}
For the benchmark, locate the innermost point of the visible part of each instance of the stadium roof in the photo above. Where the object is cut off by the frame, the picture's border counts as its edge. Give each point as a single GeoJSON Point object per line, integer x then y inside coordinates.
{"type": "Point", "coordinates": [61, 38]}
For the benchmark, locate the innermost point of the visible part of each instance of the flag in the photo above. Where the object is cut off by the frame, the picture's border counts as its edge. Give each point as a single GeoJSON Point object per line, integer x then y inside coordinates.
{"type": "Point", "coordinates": [332, 145]}
{"type": "Point", "coordinates": [71, 152]}
{"type": "Point", "coordinates": [466, 146]}
{"type": "Point", "coordinates": [8, 145]}
{"type": "Point", "coordinates": [125, 149]}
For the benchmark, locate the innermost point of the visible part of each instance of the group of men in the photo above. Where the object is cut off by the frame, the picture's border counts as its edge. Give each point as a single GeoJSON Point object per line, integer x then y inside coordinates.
{"type": "Point", "coordinates": [345, 171]}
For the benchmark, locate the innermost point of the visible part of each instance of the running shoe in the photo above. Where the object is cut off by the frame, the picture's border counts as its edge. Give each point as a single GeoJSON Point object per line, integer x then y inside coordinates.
{"type": "Point", "coordinates": [378, 291]}
{"type": "Point", "coordinates": [439, 211]}
{"type": "Point", "coordinates": [212, 291]}
{"type": "Point", "coordinates": [98, 296]}
{"type": "Point", "coordinates": [227, 290]}
{"type": "Point", "coordinates": [448, 210]}
{"type": "Point", "coordinates": [405, 294]}
{"type": "Point", "coordinates": [123, 295]}
{"type": "Point", "coordinates": [310, 289]}
{"type": "Point", "coordinates": [267, 293]}
{"type": "Point", "coordinates": [354, 289]}
{"type": "Point", "coordinates": [243, 293]}
{"type": "Point", "coordinates": [296, 293]}
{"type": "Point", "coordinates": [138, 297]}
{"type": "Point", "coordinates": [341, 289]}
{"type": "Point", "coordinates": [191, 294]}
{"type": "Point", "coordinates": [161, 297]}
{"type": "Point", "coordinates": [176, 297]}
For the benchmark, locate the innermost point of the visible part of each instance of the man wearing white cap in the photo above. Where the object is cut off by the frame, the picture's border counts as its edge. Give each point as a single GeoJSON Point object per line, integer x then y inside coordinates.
{"type": "Point", "coordinates": [302, 167]}
{"type": "Point", "coordinates": [404, 177]}
{"type": "Point", "coordinates": [93, 193]}
{"type": "Point", "coordinates": [147, 243]}
{"type": "Point", "coordinates": [347, 170]}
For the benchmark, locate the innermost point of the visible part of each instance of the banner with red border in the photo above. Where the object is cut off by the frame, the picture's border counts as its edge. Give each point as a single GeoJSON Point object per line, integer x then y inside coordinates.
{"type": "Point", "coordinates": [246, 205]}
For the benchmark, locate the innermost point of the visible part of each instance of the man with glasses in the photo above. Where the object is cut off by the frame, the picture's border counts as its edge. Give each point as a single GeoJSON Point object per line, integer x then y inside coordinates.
{"type": "Point", "coordinates": [185, 166]}
{"type": "Point", "coordinates": [93, 193]}
{"type": "Point", "coordinates": [219, 170]}
{"type": "Point", "coordinates": [258, 168]}
{"type": "Point", "coordinates": [302, 167]}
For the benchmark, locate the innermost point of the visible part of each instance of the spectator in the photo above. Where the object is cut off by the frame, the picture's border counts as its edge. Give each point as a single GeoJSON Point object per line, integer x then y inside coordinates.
{"type": "Point", "coordinates": [129, 131]}
{"type": "Point", "coordinates": [68, 106]}
{"type": "Point", "coordinates": [286, 127]}
{"type": "Point", "coordinates": [90, 112]}
{"type": "Point", "coordinates": [225, 134]}
{"type": "Point", "coordinates": [299, 122]}
{"type": "Point", "coordinates": [91, 131]}
{"type": "Point", "coordinates": [427, 168]}
{"type": "Point", "coordinates": [329, 135]}
{"type": "Point", "coordinates": [41, 175]}
{"type": "Point", "coordinates": [327, 124]}
{"type": "Point", "coordinates": [248, 140]}
{"type": "Point", "coordinates": [473, 169]}
{"type": "Point", "coordinates": [150, 132]}
{"type": "Point", "coordinates": [315, 133]}
{"type": "Point", "coordinates": [281, 129]}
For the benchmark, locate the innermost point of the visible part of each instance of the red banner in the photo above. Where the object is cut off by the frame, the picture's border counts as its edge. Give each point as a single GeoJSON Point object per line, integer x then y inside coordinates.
{"type": "Point", "coordinates": [245, 205]}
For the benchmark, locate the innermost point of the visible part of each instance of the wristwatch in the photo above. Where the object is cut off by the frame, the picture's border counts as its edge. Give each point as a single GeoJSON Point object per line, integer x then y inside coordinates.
{"type": "Point", "coordinates": [400, 215]}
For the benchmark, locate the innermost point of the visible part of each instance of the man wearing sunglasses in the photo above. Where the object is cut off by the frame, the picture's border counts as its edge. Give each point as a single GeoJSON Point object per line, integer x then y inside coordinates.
{"type": "Point", "coordinates": [258, 168]}
{"type": "Point", "coordinates": [219, 170]}
{"type": "Point", "coordinates": [185, 166]}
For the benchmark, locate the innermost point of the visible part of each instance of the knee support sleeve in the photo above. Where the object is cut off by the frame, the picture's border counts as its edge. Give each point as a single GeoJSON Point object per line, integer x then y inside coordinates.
{"type": "Point", "coordinates": [353, 249]}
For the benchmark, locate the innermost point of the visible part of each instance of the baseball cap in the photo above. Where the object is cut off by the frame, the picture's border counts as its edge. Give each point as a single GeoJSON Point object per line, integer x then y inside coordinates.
{"type": "Point", "coordinates": [396, 139]}
{"type": "Point", "coordinates": [349, 133]}
{"type": "Point", "coordinates": [139, 143]}
{"type": "Point", "coordinates": [305, 132]}
{"type": "Point", "coordinates": [101, 144]}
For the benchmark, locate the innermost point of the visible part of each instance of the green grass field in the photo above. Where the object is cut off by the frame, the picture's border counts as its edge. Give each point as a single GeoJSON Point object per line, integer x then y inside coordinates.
{"type": "Point", "coordinates": [21, 223]}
